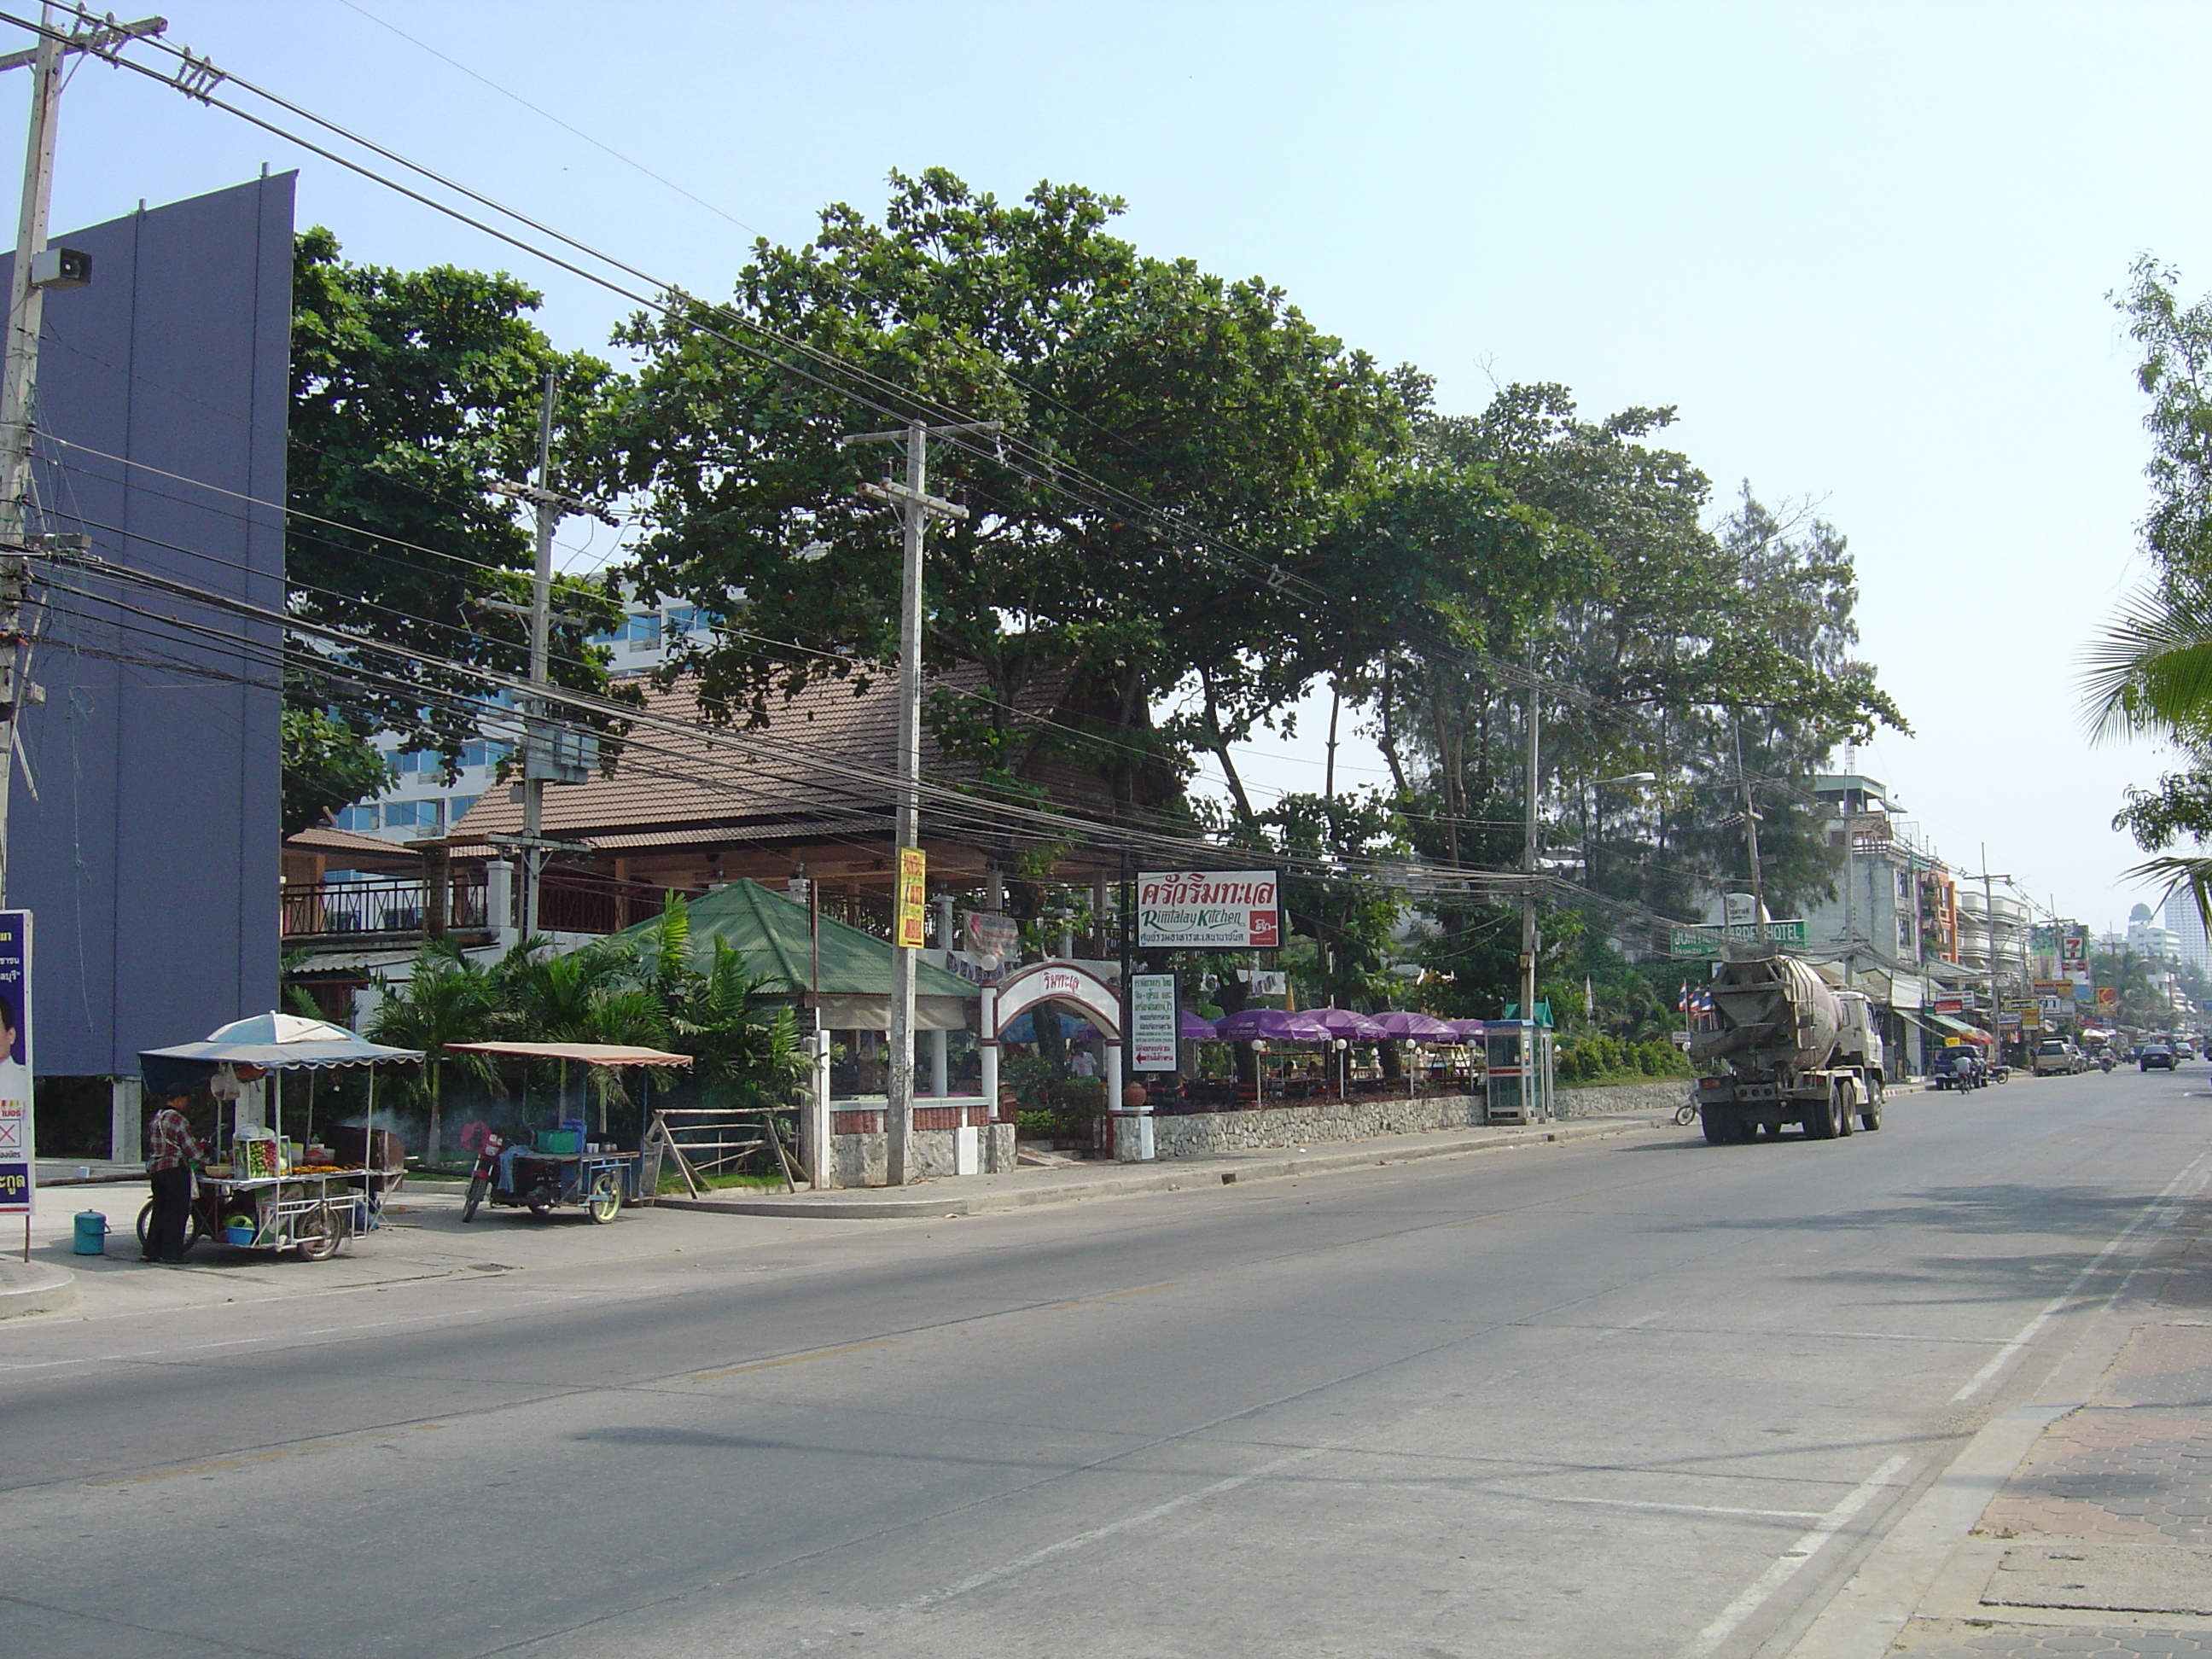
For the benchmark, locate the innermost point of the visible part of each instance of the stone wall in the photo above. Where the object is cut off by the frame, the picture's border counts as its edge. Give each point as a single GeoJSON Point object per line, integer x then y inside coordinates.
{"type": "Point", "coordinates": [1195, 1134]}
{"type": "Point", "coordinates": [861, 1159]}
{"type": "Point", "coordinates": [1661, 1094]}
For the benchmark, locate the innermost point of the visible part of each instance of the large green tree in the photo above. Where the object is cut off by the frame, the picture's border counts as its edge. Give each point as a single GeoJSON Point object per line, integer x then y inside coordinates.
{"type": "Point", "coordinates": [415, 396]}
{"type": "Point", "coordinates": [1178, 448]}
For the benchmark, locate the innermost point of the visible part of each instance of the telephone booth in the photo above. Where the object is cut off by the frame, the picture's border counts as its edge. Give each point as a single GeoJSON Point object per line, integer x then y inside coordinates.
{"type": "Point", "coordinates": [1517, 1055]}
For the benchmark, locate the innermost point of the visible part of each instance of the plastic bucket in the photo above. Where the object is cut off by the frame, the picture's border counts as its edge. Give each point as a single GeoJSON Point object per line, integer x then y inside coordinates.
{"type": "Point", "coordinates": [239, 1235]}
{"type": "Point", "coordinates": [91, 1235]}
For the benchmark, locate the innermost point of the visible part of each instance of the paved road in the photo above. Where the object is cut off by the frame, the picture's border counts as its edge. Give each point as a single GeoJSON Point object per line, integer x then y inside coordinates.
{"type": "Point", "coordinates": [1640, 1397]}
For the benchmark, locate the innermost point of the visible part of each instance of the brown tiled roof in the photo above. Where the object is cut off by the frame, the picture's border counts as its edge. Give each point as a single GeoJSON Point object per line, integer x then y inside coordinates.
{"type": "Point", "coordinates": [323, 838]}
{"type": "Point", "coordinates": [819, 768]}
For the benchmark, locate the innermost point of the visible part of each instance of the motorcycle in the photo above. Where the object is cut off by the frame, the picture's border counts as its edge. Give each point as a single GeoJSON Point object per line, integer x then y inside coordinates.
{"type": "Point", "coordinates": [482, 1178]}
{"type": "Point", "coordinates": [2104, 1063]}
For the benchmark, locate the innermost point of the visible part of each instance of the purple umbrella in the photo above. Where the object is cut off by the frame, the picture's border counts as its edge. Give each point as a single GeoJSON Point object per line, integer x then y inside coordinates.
{"type": "Point", "coordinates": [1468, 1031]}
{"type": "Point", "coordinates": [1195, 1030]}
{"type": "Point", "coordinates": [1275, 1024]}
{"type": "Point", "coordinates": [1347, 1022]}
{"type": "Point", "coordinates": [1420, 1027]}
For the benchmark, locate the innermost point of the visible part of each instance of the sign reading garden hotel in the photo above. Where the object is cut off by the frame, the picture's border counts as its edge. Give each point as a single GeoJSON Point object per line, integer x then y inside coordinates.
{"type": "Point", "coordinates": [1209, 910]}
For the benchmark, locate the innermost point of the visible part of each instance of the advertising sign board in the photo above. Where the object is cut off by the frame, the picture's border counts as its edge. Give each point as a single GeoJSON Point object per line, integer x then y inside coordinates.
{"type": "Point", "coordinates": [1707, 941]}
{"type": "Point", "coordinates": [19, 1135]}
{"type": "Point", "coordinates": [2074, 956]}
{"type": "Point", "coordinates": [1209, 910]}
{"type": "Point", "coordinates": [1154, 1023]}
{"type": "Point", "coordinates": [2108, 996]}
{"type": "Point", "coordinates": [911, 928]}
{"type": "Point", "coordinates": [990, 934]}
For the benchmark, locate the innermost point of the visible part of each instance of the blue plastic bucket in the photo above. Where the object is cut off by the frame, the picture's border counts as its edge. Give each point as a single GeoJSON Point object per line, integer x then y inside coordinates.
{"type": "Point", "coordinates": [91, 1238]}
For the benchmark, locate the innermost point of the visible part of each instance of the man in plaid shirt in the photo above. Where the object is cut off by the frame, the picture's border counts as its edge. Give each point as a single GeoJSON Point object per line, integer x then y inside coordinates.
{"type": "Point", "coordinates": [171, 1150]}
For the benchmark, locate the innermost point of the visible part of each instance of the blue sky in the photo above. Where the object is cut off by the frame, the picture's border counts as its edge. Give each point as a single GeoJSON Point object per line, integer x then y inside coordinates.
{"type": "Point", "coordinates": [1865, 249]}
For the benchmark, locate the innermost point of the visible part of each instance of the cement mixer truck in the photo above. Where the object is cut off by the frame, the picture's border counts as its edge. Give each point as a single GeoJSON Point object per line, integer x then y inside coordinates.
{"type": "Point", "coordinates": [1783, 1046]}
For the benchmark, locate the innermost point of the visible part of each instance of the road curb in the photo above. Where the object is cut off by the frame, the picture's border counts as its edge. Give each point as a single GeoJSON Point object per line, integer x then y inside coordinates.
{"type": "Point", "coordinates": [34, 1287]}
{"type": "Point", "coordinates": [1171, 1174]}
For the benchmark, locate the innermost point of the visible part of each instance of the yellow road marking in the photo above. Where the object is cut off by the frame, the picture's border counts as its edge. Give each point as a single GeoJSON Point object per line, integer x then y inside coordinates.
{"type": "Point", "coordinates": [247, 1459]}
{"type": "Point", "coordinates": [790, 1359]}
{"type": "Point", "coordinates": [1119, 1295]}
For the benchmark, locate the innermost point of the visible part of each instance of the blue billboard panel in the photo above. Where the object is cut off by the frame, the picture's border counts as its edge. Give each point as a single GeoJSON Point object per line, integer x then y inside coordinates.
{"type": "Point", "coordinates": [144, 823]}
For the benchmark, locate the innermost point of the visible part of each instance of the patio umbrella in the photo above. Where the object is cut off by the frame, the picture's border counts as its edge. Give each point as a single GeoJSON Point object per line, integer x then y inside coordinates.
{"type": "Point", "coordinates": [1468, 1031]}
{"type": "Point", "coordinates": [1421, 1028]}
{"type": "Point", "coordinates": [1195, 1030]}
{"type": "Point", "coordinates": [1275, 1025]}
{"type": "Point", "coordinates": [1347, 1022]}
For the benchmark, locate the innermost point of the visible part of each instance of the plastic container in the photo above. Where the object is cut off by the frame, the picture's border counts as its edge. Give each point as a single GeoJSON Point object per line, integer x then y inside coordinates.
{"type": "Point", "coordinates": [90, 1237]}
{"type": "Point", "coordinates": [239, 1236]}
{"type": "Point", "coordinates": [560, 1141]}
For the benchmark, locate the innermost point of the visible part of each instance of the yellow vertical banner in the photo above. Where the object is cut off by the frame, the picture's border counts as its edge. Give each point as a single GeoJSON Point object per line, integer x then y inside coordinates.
{"type": "Point", "coordinates": [911, 926]}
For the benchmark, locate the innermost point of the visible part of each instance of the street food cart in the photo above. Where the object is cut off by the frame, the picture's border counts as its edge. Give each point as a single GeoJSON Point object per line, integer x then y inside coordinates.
{"type": "Point", "coordinates": [262, 1191]}
{"type": "Point", "coordinates": [557, 1164]}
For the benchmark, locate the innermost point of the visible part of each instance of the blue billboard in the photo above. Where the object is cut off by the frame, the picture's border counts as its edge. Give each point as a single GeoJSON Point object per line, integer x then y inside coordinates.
{"type": "Point", "coordinates": [143, 827]}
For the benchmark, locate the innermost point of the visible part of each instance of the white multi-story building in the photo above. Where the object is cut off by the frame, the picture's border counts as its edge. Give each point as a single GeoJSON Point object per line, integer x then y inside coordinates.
{"type": "Point", "coordinates": [2187, 924]}
{"type": "Point", "coordinates": [426, 801]}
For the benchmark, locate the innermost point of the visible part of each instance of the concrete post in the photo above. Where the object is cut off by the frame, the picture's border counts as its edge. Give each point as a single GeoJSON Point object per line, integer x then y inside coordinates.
{"type": "Point", "coordinates": [499, 902]}
{"type": "Point", "coordinates": [940, 1066]}
{"type": "Point", "coordinates": [127, 1115]}
{"type": "Point", "coordinates": [987, 1021]}
{"type": "Point", "coordinates": [820, 1152]}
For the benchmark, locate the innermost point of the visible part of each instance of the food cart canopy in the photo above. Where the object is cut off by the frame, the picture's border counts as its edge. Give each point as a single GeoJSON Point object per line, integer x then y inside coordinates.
{"type": "Point", "coordinates": [587, 1054]}
{"type": "Point", "coordinates": [274, 1043]}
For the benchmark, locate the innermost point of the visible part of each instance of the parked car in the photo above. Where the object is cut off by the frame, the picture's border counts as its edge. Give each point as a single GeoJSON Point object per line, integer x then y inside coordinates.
{"type": "Point", "coordinates": [2156, 1054]}
{"type": "Point", "coordinates": [2055, 1056]}
{"type": "Point", "coordinates": [1958, 1068]}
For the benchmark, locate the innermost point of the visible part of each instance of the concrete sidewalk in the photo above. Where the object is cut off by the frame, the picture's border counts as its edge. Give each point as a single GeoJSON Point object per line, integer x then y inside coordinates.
{"type": "Point", "coordinates": [2081, 1523]}
{"type": "Point", "coordinates": [1023, 1188]}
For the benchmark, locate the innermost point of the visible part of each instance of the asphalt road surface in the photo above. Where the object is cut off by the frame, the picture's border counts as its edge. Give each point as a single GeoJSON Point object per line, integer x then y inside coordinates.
{"type": "Point", "coordinates": [1641, 1396]}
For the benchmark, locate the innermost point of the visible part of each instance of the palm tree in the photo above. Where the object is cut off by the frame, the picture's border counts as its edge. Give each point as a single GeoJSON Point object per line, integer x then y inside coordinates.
{"type": "Point", "coordinates": [446, 999]}
{"type": "Point", "coordinates": [2151, 673]}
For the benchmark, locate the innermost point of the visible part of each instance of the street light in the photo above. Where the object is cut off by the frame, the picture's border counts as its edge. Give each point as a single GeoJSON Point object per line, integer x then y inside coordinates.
{"type": "Point", "coordinates": [1597, 841]}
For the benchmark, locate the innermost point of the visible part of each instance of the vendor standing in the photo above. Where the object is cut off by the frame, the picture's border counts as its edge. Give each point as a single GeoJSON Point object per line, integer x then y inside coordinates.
{"type": "Point", "coordinates": [171, 1151]}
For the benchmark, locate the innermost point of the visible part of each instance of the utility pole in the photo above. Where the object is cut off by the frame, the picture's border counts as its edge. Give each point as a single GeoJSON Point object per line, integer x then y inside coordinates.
{"type": "Point", "coordinates": [1990, 927]}
{"type": "Point", "coordinates": [541, 760]}
{"type": "Point", "coordinates": [36, 269]}
{"type": "Point", "coordinates": [541, 628]}
{"type": "Point", "coordinates": [917, 507]}
{"type": "Point", "coordinates": [1528, 850]}
{"type": "Point", "coordinates": [1751, 839]}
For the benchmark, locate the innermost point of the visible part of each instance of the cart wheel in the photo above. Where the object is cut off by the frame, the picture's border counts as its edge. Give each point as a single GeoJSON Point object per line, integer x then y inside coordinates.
{"type": "Point", "coordinates": [317, 1236]}
{"type": "Point", "coordinates": [195, 1228]}
{"type": "Point", "coordinates": [540, 1202]}
{"type": "Point", "coordinates": [478, 1186]}
{"type": "Point", "coordinates": [605, 1200]}
{"type": "Point", "coordinates": [145, 1224]}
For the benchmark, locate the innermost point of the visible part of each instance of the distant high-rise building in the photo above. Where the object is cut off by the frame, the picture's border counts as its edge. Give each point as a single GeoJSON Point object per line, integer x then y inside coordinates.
{"type": "Point", "coordinates": [2187, 924]}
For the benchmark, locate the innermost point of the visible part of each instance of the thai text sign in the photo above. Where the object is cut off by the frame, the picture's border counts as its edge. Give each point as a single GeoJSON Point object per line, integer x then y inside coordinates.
{"type": "Point", "coordinates": [1154, 1024]}
{"type": "Point", "coordinates": [1209, 910]}
{"type": "Point", "coordinates": [910, 927]}
{"type": "Point", "coordinates": [19, 1136]}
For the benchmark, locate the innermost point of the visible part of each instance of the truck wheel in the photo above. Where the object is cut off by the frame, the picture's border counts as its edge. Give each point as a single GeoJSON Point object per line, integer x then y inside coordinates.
{"type": "Point", "coordinates": [1845, 1108]}
{"type": "Point", "coordinates": [1871, 1114]}
{"type": "Point", "coordinates": [1821, 1121]}
{"type": "Point", "coordinates": [1720, 1125]}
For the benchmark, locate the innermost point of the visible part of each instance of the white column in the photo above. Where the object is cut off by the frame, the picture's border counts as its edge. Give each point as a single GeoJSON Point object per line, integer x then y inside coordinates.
{"type": "Point", "coordinates": [499, 902]}
{"type": "Point", "coordinates": [1125, 1149]}
{"type": "Point", "coordinates": [822, 1163]}
{"type": "Point", "coordinates": [940, 1064]}
{"type": "Point", "coordinates": [126, 1112]}
{"type": "Point", "coordinates": [987, 1027]}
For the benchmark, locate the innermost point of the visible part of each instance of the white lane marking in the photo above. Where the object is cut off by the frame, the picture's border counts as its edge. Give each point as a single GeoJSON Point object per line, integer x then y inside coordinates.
{"type": "Point", "coordinates": [1127, 1522]}
{"type": "Point", "coordinates": [1789, 1563]}
{"type": "Point", "coordinates": [1606, 1502]}
{"type": "Point", "coordinates": [2156, 1208]}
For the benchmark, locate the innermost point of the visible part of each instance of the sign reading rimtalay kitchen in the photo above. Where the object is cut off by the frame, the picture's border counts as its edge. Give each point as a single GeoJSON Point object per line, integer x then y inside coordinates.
{"type": "Point", "coordinates": [1209, 910]}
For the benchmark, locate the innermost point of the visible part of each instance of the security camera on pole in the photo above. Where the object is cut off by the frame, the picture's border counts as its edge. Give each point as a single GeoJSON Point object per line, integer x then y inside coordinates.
{"type": "Point", "coordinates": [917, 507]}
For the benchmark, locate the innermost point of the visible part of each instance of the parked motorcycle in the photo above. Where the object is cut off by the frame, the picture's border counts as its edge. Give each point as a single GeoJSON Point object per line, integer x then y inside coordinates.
{"type": "Point", "coordinates": [482, 1178]}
